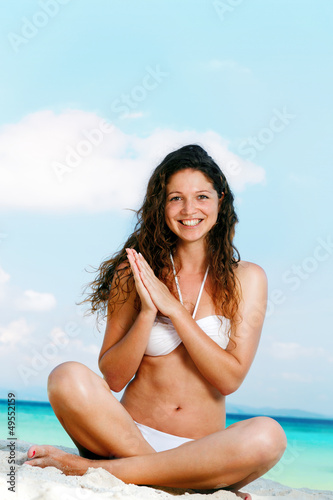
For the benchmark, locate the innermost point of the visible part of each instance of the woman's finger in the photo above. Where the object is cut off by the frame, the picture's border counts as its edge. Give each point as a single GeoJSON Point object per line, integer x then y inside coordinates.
{"type": "Point", "coordinates": [149, 278]}
{"type": "Point", "coordinates": [145, 267]}
{"type": "Point", "coordinates": [134, 267]}
{"type": "Point", "coordinates": [144, 263]}
{"type": "Point", "coordinates": [137, 260]}
{"type": "Point", "coordinates": [142, 290]}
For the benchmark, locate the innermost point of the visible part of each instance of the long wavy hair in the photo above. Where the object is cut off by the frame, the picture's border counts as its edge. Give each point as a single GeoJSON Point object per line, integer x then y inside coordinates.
{"type": "Point", "coordinates": [153, 238]}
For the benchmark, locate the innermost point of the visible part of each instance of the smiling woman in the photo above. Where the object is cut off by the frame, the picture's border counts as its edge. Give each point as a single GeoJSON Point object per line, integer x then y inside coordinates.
{"type": "Point", "coordinates": [193, 207]}
{"type": "Point", "coordinates": [184, 320]}
{"type": "Point", "coordinates": [196, 177]}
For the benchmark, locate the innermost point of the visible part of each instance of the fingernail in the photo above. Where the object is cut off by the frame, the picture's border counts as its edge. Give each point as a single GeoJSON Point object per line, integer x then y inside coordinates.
{"type": "Point", "coordinates": [33, 454]}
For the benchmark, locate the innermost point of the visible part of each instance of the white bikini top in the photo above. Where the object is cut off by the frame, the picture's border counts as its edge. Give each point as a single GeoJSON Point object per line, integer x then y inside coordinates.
{"type": "Point", "coordinates": [164, 337]}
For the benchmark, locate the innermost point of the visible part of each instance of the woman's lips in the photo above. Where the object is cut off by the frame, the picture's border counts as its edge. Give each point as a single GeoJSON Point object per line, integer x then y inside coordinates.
{"type": "Point", "coordinates": [190, 222]}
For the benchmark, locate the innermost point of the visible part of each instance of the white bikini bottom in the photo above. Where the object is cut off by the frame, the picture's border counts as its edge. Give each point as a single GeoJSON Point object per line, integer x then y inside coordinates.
{"type": "Point", "coordinates": [161, 441]}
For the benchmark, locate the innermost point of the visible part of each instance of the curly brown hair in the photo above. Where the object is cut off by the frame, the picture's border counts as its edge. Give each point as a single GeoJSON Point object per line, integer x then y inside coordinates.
{"type": "Point", "coordinates": [153, 238]}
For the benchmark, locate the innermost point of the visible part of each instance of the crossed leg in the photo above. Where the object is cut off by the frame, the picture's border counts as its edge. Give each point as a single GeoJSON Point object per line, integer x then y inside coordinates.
{"type": "Point", "coordinates": [95, 420]}
{"type": "Point", "coordinates": [230, 458]}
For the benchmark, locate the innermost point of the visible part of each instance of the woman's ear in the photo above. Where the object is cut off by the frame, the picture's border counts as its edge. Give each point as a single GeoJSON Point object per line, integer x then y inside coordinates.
{"type": "Point", "coordinates": [221, 199]}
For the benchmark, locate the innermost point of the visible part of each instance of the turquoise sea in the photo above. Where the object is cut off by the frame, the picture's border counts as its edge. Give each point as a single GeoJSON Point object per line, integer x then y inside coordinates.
{"type": "Point", "coordinates": [307, 462]}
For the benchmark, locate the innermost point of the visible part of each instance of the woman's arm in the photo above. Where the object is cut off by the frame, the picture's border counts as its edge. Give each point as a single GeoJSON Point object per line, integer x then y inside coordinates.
{"type": "Point", "coordinates": [226, 369]}
{"type": "Point", "coordinates": [119, 360]}
{"type": "Point", "coordinates": [126, 336]}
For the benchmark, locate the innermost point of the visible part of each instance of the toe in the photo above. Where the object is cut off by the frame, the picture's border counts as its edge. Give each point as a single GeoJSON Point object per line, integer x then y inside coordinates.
{"type": "Point", "coordinates": [35, 463]}
{"type": "Point", "coordinates": [39, 451]}
{"type": "Point", "coordinates": [32, 451]}
{"type": "Point", "coordinates": [245, 496]}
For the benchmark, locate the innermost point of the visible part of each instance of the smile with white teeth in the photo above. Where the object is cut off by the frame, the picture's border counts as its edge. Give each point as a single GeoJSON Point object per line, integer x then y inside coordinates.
{"type": "Point", "coordinates": [190, 222]}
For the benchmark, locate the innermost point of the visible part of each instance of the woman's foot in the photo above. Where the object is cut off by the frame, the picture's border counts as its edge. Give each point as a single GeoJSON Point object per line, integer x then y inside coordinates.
{"type": "Point", "coordinates": [245, 496]}
{"type": "Point", "coordinates": [48, 456]}
{"type": "Point", "coordinates": [72, 465]}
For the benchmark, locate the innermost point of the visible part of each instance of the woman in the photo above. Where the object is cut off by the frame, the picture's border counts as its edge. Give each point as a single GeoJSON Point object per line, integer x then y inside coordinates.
{"type": "Point", "coordinates": [184, 319]}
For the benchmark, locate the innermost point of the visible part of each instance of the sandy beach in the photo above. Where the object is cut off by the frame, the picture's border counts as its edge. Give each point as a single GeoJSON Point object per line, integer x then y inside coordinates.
{"type": "Point", "coordinates": [32, 483]}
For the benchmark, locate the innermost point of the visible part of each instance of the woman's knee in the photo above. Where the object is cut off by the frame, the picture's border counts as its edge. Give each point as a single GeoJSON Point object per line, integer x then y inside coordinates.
{"type": "Point", "coordinates": [67, 379]}
{"type": "Point", "coordinates": [270, 440]}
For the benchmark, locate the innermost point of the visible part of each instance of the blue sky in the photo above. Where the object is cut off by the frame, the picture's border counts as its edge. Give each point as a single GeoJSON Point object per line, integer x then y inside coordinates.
{"type": "Point", "coordinates": [93, 95]}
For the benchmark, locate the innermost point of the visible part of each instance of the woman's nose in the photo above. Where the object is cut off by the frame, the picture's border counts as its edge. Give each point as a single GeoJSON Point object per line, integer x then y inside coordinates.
{"type": "Point", "coordinates": [188, 206]}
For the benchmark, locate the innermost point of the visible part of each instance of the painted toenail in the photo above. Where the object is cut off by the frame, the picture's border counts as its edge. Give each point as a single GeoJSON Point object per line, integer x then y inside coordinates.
{"type": "Point", "coordinates": [33, 454]}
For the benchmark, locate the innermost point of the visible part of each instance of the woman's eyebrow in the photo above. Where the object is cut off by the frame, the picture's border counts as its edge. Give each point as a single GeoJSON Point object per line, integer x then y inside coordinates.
{"type": "Point", "coordinates": [200, 191]}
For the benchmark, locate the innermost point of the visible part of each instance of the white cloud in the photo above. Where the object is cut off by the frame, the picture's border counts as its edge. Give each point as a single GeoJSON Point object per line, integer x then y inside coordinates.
{"type": "Point", "coordinates": [63, 340]}
{"type": "Point", "coordinates": [297, 377]}
{"type": "Point", "coordinates": [74, 161]}
{"type": "Point", "coordinates": [35, 301]}
{"type": "Point", "coordinates": [4, 277]}
{"type": "Point", "coordinates": [133, 116]}
{"type": "Point", "coordinates": [91, 349]}
{"type": "Point", "coordinates": [293, 350]}
{"type": "Point", "coordinates": [15, 332]}
{"type": "Point", "coordinates": [29, 353]}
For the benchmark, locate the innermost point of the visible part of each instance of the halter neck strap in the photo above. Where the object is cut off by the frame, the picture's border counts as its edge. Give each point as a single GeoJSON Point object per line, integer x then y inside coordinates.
{"type": "Point", "coordinates": [178, 287]}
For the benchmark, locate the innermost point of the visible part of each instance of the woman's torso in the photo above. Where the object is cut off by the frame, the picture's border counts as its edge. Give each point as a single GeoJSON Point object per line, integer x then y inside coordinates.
{"type": "Point", "coordinates": [168, 392]}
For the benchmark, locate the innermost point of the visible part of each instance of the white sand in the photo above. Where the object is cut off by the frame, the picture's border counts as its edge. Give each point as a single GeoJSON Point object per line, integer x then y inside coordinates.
{"type": "Point", "coordinates": [34, 483]}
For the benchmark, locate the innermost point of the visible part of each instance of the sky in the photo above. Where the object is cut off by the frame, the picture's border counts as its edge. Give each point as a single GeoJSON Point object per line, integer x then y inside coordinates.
{"type": "Point", "coordinates": [93, 96]}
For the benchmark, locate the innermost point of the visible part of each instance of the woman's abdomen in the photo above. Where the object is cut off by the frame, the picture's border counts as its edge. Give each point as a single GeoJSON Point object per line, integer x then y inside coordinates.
{"type": "Point", "coordinates": [170, 395]}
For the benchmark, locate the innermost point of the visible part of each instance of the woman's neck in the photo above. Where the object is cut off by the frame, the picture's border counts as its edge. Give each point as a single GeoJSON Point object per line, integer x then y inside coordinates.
{"type": "Point", "coordinates": [192, 257]}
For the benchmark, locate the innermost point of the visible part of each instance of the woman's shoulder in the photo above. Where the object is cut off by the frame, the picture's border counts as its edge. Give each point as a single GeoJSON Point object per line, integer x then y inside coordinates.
{"type": "Point", "coordinates": [123, 265]}
{"type": "Point", "coordinates": [122, 288]}
{"type": "Point", "coordinates": [120, 277]}
{"type": "Point", "coordinates": [123, 269]}
{"type": "Point", "coordinates": [250, 272]}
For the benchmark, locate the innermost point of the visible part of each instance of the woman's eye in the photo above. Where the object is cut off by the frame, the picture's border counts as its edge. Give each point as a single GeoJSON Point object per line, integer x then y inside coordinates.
{"type": "Point", "coordinates": [200, 197]}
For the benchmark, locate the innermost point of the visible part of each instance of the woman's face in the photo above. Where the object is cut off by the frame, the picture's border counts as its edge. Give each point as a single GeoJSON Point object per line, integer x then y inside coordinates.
{"type": "Point", "coordinates": [192, 205]}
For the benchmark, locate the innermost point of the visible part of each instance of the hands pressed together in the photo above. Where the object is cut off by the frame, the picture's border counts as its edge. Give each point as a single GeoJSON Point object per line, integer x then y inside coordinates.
{"type": "Point", "coordinates": [153, 293]}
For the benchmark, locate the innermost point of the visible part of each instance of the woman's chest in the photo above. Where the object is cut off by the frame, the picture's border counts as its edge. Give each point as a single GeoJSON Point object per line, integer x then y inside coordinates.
{"type": "Point", "coordinates": [195, 296]}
